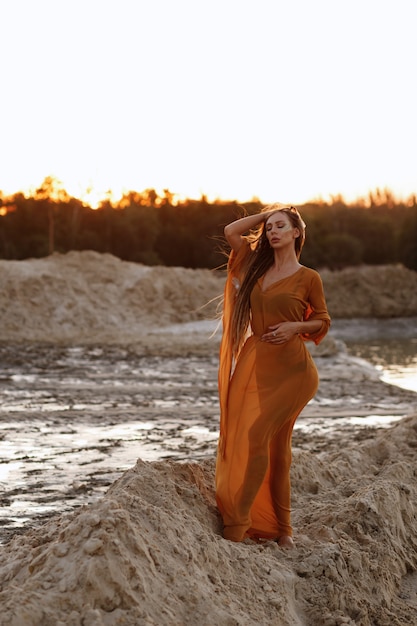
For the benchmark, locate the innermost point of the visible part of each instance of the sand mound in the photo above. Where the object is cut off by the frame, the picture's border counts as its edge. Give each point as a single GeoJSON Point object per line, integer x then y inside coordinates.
{"type": "Point", "coordinates": [86, 296]}
{"type": "Point", "coordinates": [371, 291]}
{"type": "Point", "coordinates": [91, 297]}
{"type": "Point", "coordinates": [151, 552]}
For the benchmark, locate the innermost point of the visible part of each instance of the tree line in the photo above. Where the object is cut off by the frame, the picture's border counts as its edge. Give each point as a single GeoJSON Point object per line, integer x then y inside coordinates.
{"type": "Point", "coordinates": [154, 229]}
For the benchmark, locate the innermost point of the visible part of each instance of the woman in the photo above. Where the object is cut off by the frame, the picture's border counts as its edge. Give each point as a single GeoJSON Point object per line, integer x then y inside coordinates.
{"type": "Point", "coordinates": [272, 304]}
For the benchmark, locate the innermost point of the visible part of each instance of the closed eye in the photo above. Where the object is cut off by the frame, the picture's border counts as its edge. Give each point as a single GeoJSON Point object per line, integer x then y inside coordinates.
{"type": "Point", "coordinates": [280, 225]}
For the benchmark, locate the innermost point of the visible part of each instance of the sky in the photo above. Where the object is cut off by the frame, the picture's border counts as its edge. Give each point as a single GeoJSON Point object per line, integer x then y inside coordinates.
{"type": "Point", "coordinates": [234, 99]}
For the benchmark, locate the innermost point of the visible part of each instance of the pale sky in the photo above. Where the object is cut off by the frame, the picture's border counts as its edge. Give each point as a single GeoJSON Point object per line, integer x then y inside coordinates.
{"type": "Point", "coordinates": [284, 101]}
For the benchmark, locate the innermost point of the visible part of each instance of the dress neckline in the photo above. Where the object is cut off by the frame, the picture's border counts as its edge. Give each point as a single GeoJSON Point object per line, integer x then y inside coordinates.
{"type": "Point", "coordinates": [261, 280]}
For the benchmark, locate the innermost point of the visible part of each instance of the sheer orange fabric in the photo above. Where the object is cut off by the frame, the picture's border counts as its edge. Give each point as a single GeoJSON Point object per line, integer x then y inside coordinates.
{"type": "Point", "coordinates": [261, 396]}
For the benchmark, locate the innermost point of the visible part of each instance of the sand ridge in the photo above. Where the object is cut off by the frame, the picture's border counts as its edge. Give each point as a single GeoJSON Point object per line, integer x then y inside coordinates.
{"type": "Point", "coordinates": [91, 297]}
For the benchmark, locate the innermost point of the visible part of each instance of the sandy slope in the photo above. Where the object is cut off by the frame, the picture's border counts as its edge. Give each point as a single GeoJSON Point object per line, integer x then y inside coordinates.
{"type": "Point", "coordinates": [151, 551]}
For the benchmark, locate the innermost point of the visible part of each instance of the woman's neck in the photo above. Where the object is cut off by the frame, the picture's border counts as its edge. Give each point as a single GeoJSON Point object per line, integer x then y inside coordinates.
{"type": "Point", "coordinates": [284, 265]}
{"type": "Point", "coordinates": [284, 260]}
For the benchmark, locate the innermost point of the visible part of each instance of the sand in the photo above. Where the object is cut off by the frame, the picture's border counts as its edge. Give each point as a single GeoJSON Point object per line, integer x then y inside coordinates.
{"type": "Point", "coordinates": [150, 551]}
{"type": "Point", "coordinates": [92, 297]}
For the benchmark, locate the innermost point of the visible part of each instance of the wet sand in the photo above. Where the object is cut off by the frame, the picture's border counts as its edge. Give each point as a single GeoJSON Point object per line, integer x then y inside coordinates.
{"type": "Point", "coordinates": [73, 418]}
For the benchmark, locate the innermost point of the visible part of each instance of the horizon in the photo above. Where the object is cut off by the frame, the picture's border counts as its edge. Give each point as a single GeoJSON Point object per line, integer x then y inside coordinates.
{"type": "Point", "coordinates": [57, 187]}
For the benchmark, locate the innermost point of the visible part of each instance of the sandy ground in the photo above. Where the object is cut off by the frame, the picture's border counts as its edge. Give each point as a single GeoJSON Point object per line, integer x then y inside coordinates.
{"type": "Point", "coordinates": [106, 365]}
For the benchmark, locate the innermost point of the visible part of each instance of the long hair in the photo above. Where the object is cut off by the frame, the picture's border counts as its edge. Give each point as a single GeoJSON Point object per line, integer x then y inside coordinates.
{"type": "Point", "coordinates": [260, 260]}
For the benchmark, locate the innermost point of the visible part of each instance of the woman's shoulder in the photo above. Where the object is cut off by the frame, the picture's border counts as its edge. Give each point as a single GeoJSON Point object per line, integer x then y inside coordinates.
{"type": "Point", "coordinates": [310, 273]}
{"type": "Point", "coordinates": [310, 270]}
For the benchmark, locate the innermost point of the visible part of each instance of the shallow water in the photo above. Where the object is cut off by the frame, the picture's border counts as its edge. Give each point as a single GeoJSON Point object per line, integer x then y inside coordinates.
{"type": "Point", "coordinates": [72, 419]}
{"type": "Point", "coordinates": [396, 359]}
{"type": "Point", "coordinates": [389, 344]}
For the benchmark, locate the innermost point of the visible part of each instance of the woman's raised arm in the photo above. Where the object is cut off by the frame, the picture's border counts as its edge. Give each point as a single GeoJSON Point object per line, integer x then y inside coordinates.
{"type": "Point", "coordinates": [235, 230]}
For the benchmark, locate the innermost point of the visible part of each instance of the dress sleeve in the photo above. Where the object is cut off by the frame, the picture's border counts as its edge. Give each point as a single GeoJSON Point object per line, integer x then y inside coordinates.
{"type": "Point", "coordinates": [235, 273]}
{"type": "Point", "coordinates": [317, 310]}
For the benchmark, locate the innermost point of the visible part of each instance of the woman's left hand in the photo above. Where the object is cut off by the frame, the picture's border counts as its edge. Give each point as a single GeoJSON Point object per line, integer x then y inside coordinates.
{"type": "Point", "coordinates": [280, 333]}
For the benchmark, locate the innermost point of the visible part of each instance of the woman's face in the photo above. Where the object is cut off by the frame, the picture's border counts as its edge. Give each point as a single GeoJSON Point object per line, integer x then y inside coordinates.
{"type": "Point", "coordinates": [279, 230]}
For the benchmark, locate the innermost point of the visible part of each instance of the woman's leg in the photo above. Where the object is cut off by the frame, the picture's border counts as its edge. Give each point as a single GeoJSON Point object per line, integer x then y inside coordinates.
{"type": "Point", "coordinates": [280, 483]}
{"type": "Point", "coordinates": [256, 468]}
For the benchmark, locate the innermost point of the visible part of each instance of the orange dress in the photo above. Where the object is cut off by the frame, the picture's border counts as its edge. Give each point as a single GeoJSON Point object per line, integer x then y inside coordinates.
{"type": "Point", "coordinates": [261, 396]}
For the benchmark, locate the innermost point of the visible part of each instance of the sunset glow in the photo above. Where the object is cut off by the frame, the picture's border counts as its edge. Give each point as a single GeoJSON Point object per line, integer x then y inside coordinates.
{"type": "Point", "coordinates": [281, 101]}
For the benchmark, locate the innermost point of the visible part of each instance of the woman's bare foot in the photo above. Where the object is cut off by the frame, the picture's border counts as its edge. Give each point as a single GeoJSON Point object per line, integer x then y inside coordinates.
{"type": "Point", "coordinates": [285, 541]}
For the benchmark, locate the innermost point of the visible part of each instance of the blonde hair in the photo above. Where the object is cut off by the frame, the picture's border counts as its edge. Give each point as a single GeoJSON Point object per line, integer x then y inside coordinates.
{"type": "Point", "coordinates": [259, 261]}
